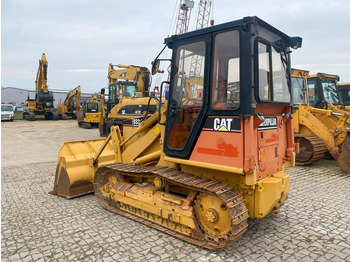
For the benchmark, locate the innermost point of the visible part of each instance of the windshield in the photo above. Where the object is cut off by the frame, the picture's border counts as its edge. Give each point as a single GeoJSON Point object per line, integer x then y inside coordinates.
{"type": "Point", "coordinates": [6, 108]}
{"type": "Point", "coordinates": [299, 90]}
{"type": "Point", "coordinates": [330, 92]}
{"type": "Point", "coordinates": [92, 107]}
{"type": "Point", "coordinates": [344, 94]}
{"type": "Point", "coordinates": [128, 89]}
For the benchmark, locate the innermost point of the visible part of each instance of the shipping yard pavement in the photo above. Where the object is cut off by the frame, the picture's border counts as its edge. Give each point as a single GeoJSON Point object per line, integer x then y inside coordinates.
{"type": "Point", "coordinates": [313, 225]}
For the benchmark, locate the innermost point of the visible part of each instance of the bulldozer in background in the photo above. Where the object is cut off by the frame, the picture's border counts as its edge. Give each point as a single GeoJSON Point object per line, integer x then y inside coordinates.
{"type": "Point", "coordinates": [70, 105]}
{"type": "Point", "coordinates": [90, 113]}
{"type": "Point", "coordinates": [128, 96]}
{"type": "Point", "coordinates": [318, 130]}
{"type": "Point", "coordinates": [43, 102]}
{"type": "Point", "coordinates": [200, 166]}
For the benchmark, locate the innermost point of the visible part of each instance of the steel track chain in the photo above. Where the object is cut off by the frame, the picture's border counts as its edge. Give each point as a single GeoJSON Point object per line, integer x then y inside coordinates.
{"type": "Point", "coordinates": [319, 150]}
{"type": "Point", "coordinates": [228, 195]}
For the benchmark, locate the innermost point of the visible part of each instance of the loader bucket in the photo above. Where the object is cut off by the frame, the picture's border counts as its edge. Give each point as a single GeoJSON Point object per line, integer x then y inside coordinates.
{"type": "Point", "coordinates": [75, 166]}
{"type": "Point", "coordinates": [344, 156]}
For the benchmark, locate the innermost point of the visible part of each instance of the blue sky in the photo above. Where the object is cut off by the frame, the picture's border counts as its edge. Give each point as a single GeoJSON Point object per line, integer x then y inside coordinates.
{"type": "Point", "coordinates": [81, 37]}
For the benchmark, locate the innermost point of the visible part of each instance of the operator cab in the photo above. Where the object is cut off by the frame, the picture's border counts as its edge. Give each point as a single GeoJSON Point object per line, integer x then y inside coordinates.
{"type": "Point", "coordinates": [118, 90]}
{"type": "Point", "coordinates": [323, 90]}
{"type": "Point", "coordinates": [344, 93]}
{"type": "Point", "coordinates": [91, 107]}
{"type": "Point", "coordinates": [242, 69]}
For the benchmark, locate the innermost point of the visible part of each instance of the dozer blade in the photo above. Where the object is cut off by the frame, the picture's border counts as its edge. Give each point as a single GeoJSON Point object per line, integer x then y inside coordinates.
{"type": "Point", "coordinates": [344, 156]}
{"type": "Point", "coordinates": [75, 166]}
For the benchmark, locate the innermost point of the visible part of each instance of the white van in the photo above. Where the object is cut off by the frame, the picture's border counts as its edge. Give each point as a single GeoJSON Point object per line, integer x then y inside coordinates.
{"type": "Point", "coordinates": [7, 112]}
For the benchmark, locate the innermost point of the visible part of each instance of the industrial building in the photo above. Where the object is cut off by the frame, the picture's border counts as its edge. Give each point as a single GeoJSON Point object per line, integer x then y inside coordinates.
{"type": "Point", "coordinates": [17, 96]}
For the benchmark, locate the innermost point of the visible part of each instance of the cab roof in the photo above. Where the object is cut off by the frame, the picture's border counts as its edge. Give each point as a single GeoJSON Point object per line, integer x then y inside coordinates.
{"type": "Point", "coordinates": [241, 23]}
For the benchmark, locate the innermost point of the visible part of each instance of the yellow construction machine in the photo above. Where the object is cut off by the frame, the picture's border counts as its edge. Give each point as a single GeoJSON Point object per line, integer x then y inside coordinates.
{"type": "Point", "coordinates": [43, 102]}
{"type": "Point", "coordinates": [324, 93]}
{"type": "Point", "coordinates": [344, 95]}
{"type": "Point", "coordinates": [91, 111]}
{"type": "Point", "coordinates": [318, 130]}
{"type": "Point", "coordinates": [204, 162]}
{"type": "Point", "coordinates": [128, 96]}
{"type": "Point", "coordinates": [71, 104]}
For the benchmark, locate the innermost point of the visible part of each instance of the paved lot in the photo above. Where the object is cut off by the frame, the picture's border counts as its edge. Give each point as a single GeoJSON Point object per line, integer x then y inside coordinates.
{"type": "Point", "coordinates": [313, 225]}
{"type": "Point", "coordinates": [24, 142]}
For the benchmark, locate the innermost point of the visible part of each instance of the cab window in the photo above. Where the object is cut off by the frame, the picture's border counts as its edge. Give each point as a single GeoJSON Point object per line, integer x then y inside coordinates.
{"type": "Point", "coordinates": [226, 78]}
{"type": "Point", "coordinates": [299, 91]}
{"type": "Point", "coordinates": [272, 81]}
{"type": "Point", "coordinates": [128, 90]}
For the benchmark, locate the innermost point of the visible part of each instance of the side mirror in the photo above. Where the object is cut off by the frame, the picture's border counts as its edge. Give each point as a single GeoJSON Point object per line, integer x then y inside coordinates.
{"type": "Point", "coordinates": [155, 66]}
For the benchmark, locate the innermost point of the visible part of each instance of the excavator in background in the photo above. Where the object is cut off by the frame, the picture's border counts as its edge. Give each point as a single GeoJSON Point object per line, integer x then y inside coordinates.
{"type": "Point", "coordinates": [128, 96]}
{"type": "Point", "coordinates": [206, 160]}
{"type": "Point", "coordinates": [43, 102]}
{"type": "Point", "coordinates": [91, 111]}
{"type": "Point", "coordinates": [71, 104]}
{"type": "Point", "coordinates": [318, 130]}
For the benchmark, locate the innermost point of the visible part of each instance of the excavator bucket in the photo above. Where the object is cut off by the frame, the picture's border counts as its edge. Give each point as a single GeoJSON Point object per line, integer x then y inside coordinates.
{"type": "Point", "coordinates": [344, 156]}
{"type": "Point", "coordinates": [75, 166]}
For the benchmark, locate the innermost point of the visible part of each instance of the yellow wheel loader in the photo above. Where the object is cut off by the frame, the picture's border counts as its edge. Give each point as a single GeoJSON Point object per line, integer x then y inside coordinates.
{"type": "Point", "coordinates": [43, 102]}
{"type": "Point", "coordinates": [128, 96]}
{"type": "Point", "coordinates": [318, 130]}
{"type": "Point", "coordinates": [71, 104]}
{"type": "Point", "coordinates": [204, 163]}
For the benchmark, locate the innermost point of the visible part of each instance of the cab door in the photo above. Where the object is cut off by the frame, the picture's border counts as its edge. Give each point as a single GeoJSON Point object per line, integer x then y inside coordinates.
{"type": "Point", "coordinates": [187, 104]}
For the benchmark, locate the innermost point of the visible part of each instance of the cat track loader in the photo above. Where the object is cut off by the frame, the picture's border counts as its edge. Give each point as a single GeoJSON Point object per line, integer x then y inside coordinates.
{"type": "Point", "coordinates": [204, 163]}
{"type": "Point", "coordinates": [318, 130]}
